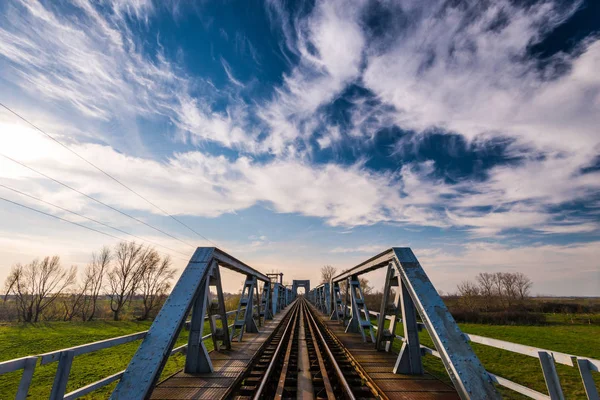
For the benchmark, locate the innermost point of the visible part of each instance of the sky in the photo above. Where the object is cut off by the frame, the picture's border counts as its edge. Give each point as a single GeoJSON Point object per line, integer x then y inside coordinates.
{"type": "Point", "coordinates": [295, 134]}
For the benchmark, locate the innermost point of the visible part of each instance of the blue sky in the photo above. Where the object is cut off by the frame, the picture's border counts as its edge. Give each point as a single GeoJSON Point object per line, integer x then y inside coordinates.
{"type": "Point", "coordinates": [297, 134]}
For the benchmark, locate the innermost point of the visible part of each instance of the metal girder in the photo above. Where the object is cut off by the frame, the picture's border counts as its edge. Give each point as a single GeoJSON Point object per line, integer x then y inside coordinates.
{"type": "Point", "coordinates": [247, 301]}
{"type": "Point", "coordinates": [464, 368]}
{"type": "Point", "coordinates": [409, 359]}
{"type": "Point", "coordinates": [373, 263]}
{"type": "Point", "coordinates": [265, 302]}
{"type": "Point", "coordinates": [236, 265]}
{"type": "Point", "coordinates": [386, 336]}
{"type": "Point", "coordinates": [145, 367]}
{"type": "Point", "coordinates": [300, 283]}
{"type": "Point", "coordinates": [337, 307]}
{"type": "Point", "coordinates": [197, 359]}
{"type": "Point", "coordinates": [359, 310]}
{"type": "Point", "coordinates": [148, 362]}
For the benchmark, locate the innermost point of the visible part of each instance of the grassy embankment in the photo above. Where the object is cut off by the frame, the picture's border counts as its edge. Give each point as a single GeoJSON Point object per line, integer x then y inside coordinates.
{"type": "Point", "coordinates": [23, 340]}
{"type": "Point", "coordinates": [581, 340]}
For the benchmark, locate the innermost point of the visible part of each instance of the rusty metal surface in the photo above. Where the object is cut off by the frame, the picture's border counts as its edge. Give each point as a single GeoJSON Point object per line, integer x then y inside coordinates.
{"type": "Point", "coordinates": [379, 366]}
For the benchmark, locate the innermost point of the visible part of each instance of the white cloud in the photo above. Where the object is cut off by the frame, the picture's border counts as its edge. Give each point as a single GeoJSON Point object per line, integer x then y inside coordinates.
{"type": "Point", "coordinates": [200, 184]}
{"type": "Point", "coordinates": [95, 64]}
{"type": "Point", "coordinates": [451, 69]}
{"type": "Point", "coordinates": [227, 69]}
{"type": "Point", "coordinates": [330, 44]}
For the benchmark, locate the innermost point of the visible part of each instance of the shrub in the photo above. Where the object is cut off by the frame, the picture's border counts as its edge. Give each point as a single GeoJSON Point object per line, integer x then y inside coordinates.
{"type": "Point", "coordinates": [507, 317]}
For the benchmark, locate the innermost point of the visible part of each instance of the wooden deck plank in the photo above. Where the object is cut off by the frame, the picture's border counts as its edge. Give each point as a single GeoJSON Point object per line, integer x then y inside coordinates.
{"type": "Point", "coordinates": [379, 365]}
{"type": "Point", "coordinates": [228, 366]}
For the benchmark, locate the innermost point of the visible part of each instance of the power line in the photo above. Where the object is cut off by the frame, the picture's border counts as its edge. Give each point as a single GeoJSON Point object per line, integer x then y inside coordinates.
{"type": "Point", "coordinates": [90, 219]}
{"type": "Point", "coordinates": [63, 219]}
{"type": "Point", "coordinates": [94, 199]}
{"type": "Point", "coordinates": [105, 173]}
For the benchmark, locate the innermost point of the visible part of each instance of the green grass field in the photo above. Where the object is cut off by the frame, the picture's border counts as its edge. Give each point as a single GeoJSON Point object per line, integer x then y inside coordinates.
{"type": "Point", "coordinates": [581, 340]}
{"type": "Point", "coordinates": [22, 340]}
{"type": "Point", "coordinates": [30, 339]}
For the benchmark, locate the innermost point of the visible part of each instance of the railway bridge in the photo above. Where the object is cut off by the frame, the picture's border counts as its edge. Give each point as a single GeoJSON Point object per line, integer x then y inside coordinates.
{"type": "Point", "coordinates": [325, 344]}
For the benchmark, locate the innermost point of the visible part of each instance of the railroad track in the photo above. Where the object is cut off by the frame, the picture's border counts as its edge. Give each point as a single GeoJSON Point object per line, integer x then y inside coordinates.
{"type": "Point", "coordinates": [303, 360]}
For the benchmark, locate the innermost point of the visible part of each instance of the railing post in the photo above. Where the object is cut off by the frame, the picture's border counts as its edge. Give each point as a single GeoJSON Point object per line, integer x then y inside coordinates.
{"type": "Point", "coordinates": [265, 302]}
{"type": "Point", "coordinates": [409, 360]}
{"type": "Point", "coordinates": [550, 376]}
{"type": "Point", "coordinates": [586, 377]}
{"type": "Point", "coordinates": [326, 298]}
{"type": "Point", "coordinates": [353, 325]}
{"type": "Point", "coordinates": [469, 377]}
{"type": "Point", "coordinates": [25, 382]}
{"type": "Point", "coordinates": [197, 359]}
{"type": "Point", "coordinates": [62, 375]}
{"type": "Point", "coordinates": [336, 302]}
{"type": "Point", "coordinates": [250, 323]}
{"type": "Point", "coordinates": [257, 301]}
{"type": "Point", "coordinates": [386, 336]}
{"type": "Point", "coordinates": [275, 298]}
{"type": "Point", "coordinates": [218, 312]}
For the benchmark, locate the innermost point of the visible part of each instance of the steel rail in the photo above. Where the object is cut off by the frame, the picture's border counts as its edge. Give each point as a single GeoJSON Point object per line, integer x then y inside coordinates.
{"type": "Point", "coordinates": [305, 389]}
{"type": "Point", "coordinates": [340, 374]}
{"type": "Point", "coordinates": [268, 372]}
{"type": "Point", "coordinates": [288, 352]}
{"type": "Point", "coordinates": [324, 374]}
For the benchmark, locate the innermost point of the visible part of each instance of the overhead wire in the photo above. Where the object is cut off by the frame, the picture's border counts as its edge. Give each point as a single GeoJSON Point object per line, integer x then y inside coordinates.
{"type": "Point", "coordinates": [91, 219]}
{"type": "Point", "coordinates": [66, 220]}
{"type": "Point", "coordinates": [94, 199]}
{"type": "Point", "coordinates": [105, 173]}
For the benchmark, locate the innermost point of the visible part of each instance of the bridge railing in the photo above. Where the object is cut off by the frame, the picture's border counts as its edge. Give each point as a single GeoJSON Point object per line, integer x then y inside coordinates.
{"type": "Point", "coordinates": [415, 294]}
{"type": "Point", "coordinates": [191, 295]}
{"type": "Point", "coordinates": [65, 359]}
{"type": "Point", "coordinates": [584, 364]}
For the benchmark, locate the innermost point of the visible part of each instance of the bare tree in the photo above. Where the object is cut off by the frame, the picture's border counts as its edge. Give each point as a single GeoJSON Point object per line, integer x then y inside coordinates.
{"type": "Point", "coordinates": [37, 285]}
{"type": "Point", "coordinates": [327, 272]}
{"type": "Point", "coordinates": [486, 285]}
{"type": "Point", "coordinates": [469, 293]}
{"type": "Point", "coordinates": [73, 302]}
{"type": "Point", "coordinates": [510, 289]}
{"type": "Point", "coordinates": [125, 276]}
{"type": "Point", "coordinates": [522, 285]}
{"type": "Point", "coordinates": [93, 282]}
{"type": "Point", "coordinates": [364, 285]}
{"type": "Point", "coordinates": [155, 282]}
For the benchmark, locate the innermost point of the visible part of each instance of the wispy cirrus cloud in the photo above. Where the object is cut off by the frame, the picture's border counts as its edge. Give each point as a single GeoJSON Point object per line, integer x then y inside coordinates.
{"type": "Point", "coordinates": [329, 43]}
{"type": "Point", "coordinates": [459, 69]}
{"type": "Point", "coordinates": [95, 63]}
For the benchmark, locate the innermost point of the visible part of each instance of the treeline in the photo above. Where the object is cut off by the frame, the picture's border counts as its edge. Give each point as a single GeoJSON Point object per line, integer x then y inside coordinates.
{"type": "Point", "coordinates": [494, 291]}
{"type": "Point", "coordinates": [495, 298]}
{"type": "Point", "coordinates": [45, 290]}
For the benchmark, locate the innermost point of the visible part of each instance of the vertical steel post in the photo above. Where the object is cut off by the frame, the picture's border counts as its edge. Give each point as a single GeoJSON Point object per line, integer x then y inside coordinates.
{"type": "Point", "coordinates": [353, 325]}
{"type": "Point", "coordinates": [326, 299]}
{"type": "Point", "coordinates": [250, 323]}
{"type": "Point", "coordinates": [464, 368]}
{"type": "Point", "coordinates": [409, 359]}
{"type": "Point", "coordinates": [586, 377]}
{"type": "Point", "coordinates": [386, 336]}
{"type": "Point", "coordinates": [197, 359]}
{"type": "Point", "coordinates": [62, 375]}
{"type": "Point", "coordinates": [550, 376]}
{"type": "Point", "coordinates": [25, 381]}
{"type": "Point", "coordinates": [218, 334]}
{"type": "Point", "coordinates": [275, 298]}
{"type": "Point", "coordinates": [338, 310]}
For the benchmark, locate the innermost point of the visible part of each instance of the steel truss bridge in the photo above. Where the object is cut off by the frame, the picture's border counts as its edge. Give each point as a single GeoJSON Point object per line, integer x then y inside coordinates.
{"type": "Point", "coordinates": [324, 345]}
